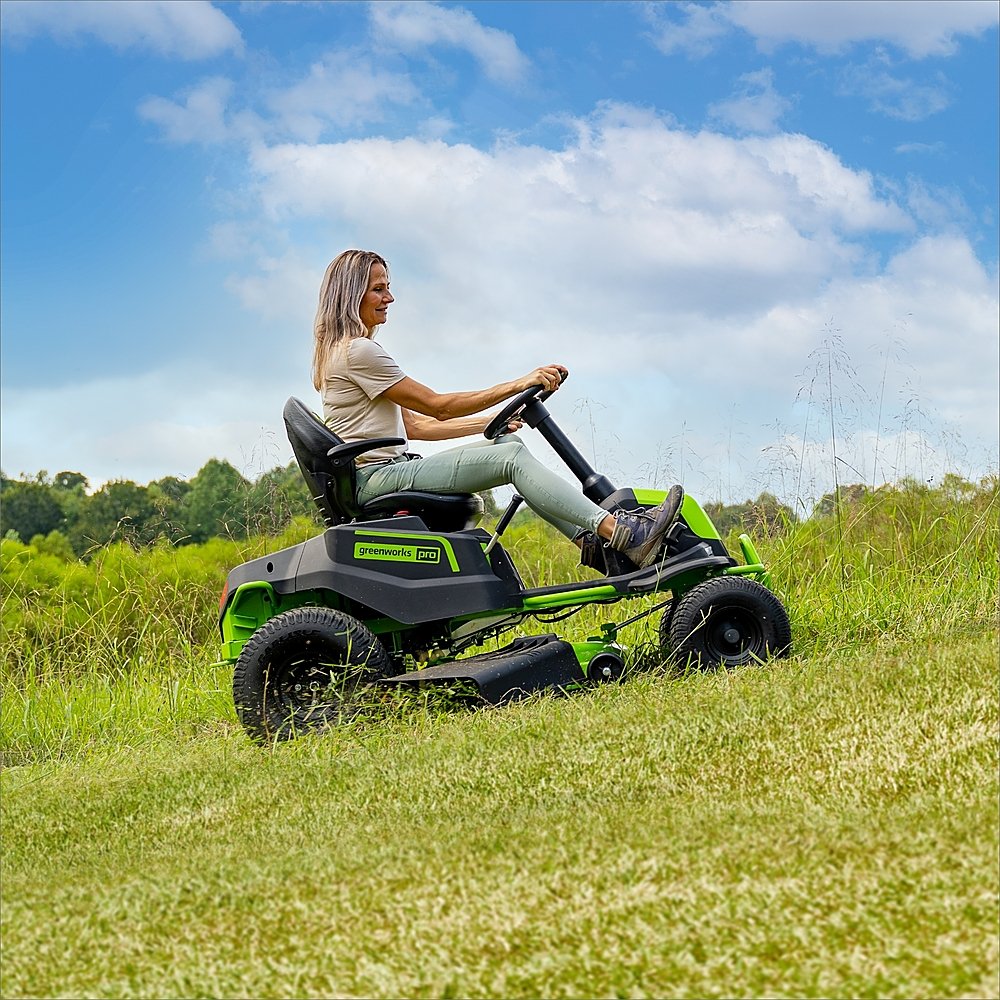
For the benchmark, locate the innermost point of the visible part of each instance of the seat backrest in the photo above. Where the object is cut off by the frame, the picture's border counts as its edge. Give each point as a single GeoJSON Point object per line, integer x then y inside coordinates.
{"type": "Point", "coordinates": [333, 488]}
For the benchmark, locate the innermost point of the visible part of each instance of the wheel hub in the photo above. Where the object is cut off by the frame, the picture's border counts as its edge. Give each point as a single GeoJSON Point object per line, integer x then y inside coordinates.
{"type": "Point", "coordinates": [734, 634]}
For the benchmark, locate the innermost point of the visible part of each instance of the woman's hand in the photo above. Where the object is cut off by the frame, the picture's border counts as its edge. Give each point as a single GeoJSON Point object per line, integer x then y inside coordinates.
{"type": "Point", "coordinates": [549, 376]}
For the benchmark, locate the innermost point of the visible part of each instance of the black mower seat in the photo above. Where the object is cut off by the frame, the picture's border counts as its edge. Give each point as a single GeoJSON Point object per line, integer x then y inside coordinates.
{"type": "Point", "coordinates": [327, 464]}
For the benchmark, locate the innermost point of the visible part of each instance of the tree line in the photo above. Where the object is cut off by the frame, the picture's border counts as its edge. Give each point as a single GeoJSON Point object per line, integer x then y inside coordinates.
{"type": "Point", "coordinates": [59, 515]}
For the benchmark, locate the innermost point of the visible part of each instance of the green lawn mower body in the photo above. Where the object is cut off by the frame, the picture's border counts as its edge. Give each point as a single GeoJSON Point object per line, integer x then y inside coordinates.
{"type": "Point", "coordinates": [393, 593]}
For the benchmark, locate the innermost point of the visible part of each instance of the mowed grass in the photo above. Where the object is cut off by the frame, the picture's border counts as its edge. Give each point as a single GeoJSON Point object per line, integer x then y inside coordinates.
{"type": "Point", "coordinates": [820, 826]}
{"type": "Point", "coordinates": [802, 829]}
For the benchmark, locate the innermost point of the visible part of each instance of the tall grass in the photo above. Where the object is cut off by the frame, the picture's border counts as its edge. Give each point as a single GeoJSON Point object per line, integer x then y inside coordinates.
{"type": "Point", "coordinates": [902, 563]}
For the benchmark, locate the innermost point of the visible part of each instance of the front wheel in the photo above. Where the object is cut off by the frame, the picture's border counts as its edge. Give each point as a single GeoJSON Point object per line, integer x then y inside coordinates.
{"type": "Point", "coordinates": [302, 671]}
{"type": "Point", "coordinates": [727, 622]}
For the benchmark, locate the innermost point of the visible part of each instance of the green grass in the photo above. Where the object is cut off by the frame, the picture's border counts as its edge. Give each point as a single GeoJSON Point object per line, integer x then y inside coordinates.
{"type": "Point", "coordinates": [821, 826]}
{"type": "Point", "coordinates": [805, 829]}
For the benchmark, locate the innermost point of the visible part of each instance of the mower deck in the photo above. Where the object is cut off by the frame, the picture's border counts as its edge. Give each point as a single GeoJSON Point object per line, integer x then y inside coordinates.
{"type": "Point", "coordinates": [531, 663]}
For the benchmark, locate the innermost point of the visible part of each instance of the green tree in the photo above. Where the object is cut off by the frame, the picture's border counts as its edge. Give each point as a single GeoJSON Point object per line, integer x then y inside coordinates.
{"type": "Point", "coordinates": [276, 498]}
{"type": "Point", "coordinates": [70, 490]}
{"type": "Point", "coordinates": [170, 488]}
{"type": "Point", "coordinates": [850, 496]}
{"type": "Point", "coordinates": [168, 495]}
{"type": "Point", "coordinates": [766, 515]}
{"type": "Point", "coordinates": [119, 511]}
{"type": "Point", "coordinates": [29, 508]}
{"type": "Point", "coordinates": [217, 503]}
{"type": "Point", "coordinates": [71, 481]}
{"type": "Point", "coordinates": [55, 543]}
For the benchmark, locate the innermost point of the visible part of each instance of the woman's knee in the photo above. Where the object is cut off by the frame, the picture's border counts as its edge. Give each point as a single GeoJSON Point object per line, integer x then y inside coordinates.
{"type": "Point", "coordinates": [512, 453]}
{"type": "Point", "coordinates": [510, 447]}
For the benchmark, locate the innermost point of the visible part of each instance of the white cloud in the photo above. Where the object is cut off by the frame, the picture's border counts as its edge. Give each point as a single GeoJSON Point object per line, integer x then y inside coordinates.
{"type": "Point", "coordinates": [628, 187]}
{"type": "Point", "coordinates": [896, 97]}
{"type": "Point", "coordinates": [343, 89]}
{"type": "Point", "coordinates": [187, 29]}
{"type": "Point", "coordinates": [701, 26]}
{"type": "Point", "coordinates": [282, 287]}
{"type": "Point", "coordinates": [920, 147]}
{"type": "Point", "coordinates": [927, 28]}
{"type": "Point", "coordinates": [755, 107]}
{"type": "Point", "coordinates": [820, 191]}
{"type": "Point", "coordinates": [200, 118]}
{"type": "Point", "coordinates": [937, 302]}
{"type": "Point", "coordinates": [411, 27]}
{"type": "Point", "coordinates": [636, 238]}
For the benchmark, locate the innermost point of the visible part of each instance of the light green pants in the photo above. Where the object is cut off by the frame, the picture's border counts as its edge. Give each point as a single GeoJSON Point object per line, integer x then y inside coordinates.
{"type": "Point", "coordinates": [481, 466]}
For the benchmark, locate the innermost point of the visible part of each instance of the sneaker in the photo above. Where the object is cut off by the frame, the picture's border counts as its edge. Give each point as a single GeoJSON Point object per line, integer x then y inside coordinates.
{"type": "Point", "coordinates": [592, 552]}
{"type": "Point", "coordinates": [639, 533]}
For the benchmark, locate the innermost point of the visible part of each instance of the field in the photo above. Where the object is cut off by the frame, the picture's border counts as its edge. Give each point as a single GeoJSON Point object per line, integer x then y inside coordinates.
{"type": "Point", "coordinates": [820, 826]}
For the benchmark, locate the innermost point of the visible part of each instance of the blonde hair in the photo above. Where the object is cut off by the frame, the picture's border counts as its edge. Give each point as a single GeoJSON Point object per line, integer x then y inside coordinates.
{"type": "Point", "coordinates": [337, 317]}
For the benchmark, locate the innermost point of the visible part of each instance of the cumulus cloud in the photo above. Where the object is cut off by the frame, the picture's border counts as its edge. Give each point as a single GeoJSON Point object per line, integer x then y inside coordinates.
{"type": "Point", "coordinates": [627, 182]}
{"type": "Point", "coordinates": [707, 252]}
{"type": "Point", "coordinates": [929, 28]}
{"type": "Point", "coordinates": [186, 29]}
{"type": "Point", "coordinates": [412, 27]}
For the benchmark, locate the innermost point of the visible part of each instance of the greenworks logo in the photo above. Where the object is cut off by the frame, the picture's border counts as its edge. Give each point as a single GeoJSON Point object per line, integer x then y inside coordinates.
{"type": "Point", "coordinates": [396, 553]}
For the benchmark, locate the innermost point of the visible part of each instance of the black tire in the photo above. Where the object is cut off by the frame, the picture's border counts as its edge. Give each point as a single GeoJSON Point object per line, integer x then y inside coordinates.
{"type": "Point", "coordinates": [728, 622]}
{"type": "Point", "coordinates": [666, 643]}
{"type": "Point", "coordinates": [302, 671]}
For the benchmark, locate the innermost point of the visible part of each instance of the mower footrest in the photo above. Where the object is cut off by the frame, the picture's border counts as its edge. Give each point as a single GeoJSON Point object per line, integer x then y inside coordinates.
{"type": "Point", "coordinates": [525, 665]}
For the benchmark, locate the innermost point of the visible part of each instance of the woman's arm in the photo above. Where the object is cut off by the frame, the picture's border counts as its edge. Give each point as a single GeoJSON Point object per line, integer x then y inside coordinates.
{"type": "Point", "coordinates": [423, 428]}
{"type": "Point", "coordinates": [412, 395]}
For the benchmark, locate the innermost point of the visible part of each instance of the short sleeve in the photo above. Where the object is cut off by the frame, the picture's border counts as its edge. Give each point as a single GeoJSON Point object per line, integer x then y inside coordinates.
{"type": "Point", "coordinates": [371, 367]}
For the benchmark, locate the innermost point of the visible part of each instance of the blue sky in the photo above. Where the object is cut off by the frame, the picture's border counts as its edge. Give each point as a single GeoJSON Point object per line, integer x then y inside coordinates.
{"type": "Point", "coordinates": [697, 208]}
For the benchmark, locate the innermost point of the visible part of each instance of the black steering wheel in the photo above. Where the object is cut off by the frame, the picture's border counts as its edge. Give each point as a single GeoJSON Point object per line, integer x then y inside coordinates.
{"type": "Point", "coordinates": [497, 427]}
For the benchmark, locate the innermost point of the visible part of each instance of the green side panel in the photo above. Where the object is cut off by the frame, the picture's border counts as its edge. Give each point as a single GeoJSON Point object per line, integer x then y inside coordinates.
{"type": "Point", "coordinates": [698, 521]}
{"type": "Point", "coordinates": [650, 498]}
{"type": "Point", "coordinates": [252, 605]}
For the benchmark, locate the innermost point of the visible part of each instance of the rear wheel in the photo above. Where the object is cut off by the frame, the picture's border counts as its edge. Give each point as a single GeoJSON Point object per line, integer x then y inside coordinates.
{"type": "Point", "coordinates": [727, 622]}
{"type": "Point", "coordinates": [304, 670]}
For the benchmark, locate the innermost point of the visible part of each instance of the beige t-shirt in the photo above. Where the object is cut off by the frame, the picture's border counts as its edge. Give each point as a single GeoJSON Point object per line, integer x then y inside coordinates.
{"type": "Point", "coordinates": [353, 404]}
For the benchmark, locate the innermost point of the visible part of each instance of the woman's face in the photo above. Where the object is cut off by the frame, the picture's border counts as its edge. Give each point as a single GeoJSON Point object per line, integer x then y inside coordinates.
{"type": "Point", "coordinates": [374, 306]}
